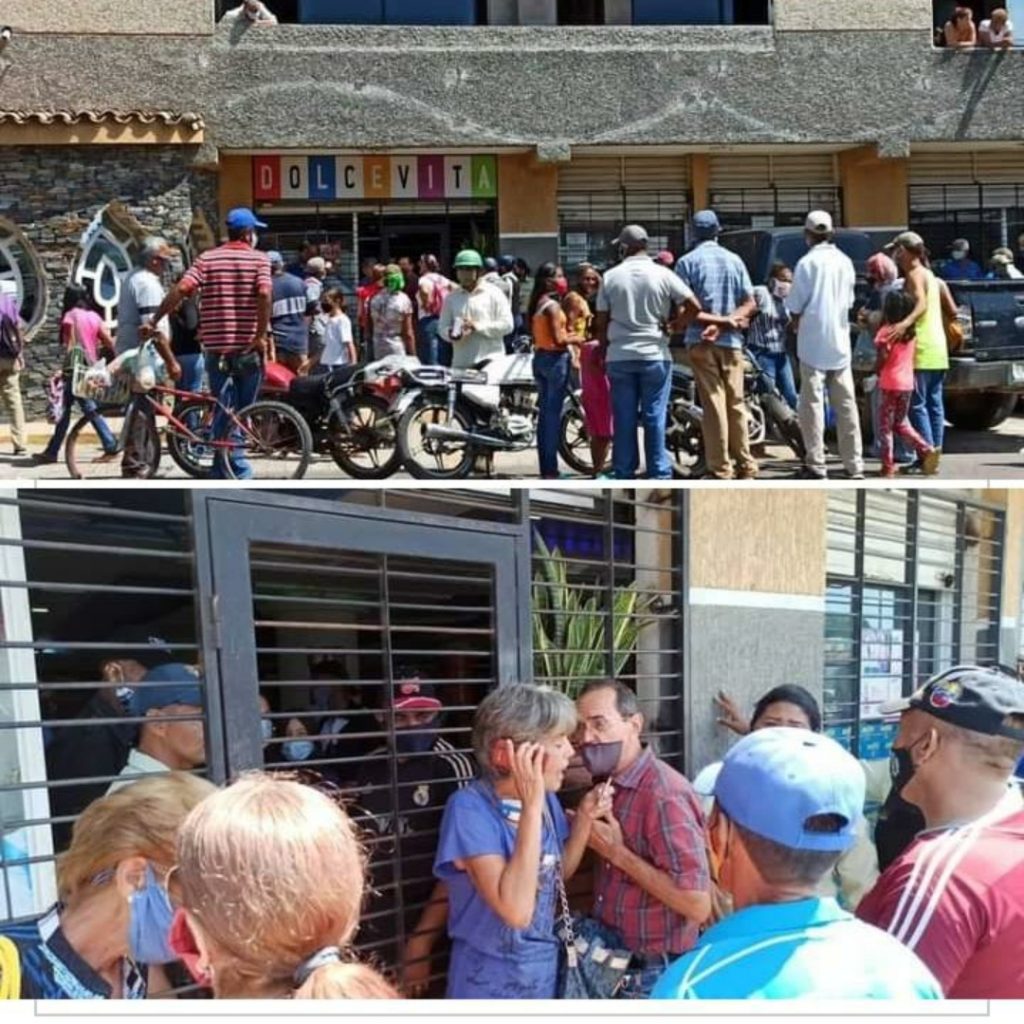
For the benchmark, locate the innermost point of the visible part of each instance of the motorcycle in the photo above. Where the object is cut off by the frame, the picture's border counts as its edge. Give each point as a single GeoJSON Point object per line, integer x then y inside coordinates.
{"type": "Point", "coordinates": [450, 418]}
{"type": "Point", "coordinates": [684, 438]}
{"type": "Point", "coordinates": [349, 411]}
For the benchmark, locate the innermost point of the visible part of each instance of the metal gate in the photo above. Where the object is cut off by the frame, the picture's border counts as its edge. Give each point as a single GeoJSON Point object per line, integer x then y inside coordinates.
{"type": "Point", "coordinates": [914, 587]}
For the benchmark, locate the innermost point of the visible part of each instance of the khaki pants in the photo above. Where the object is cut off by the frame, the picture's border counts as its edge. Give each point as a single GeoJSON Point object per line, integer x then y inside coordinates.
{"type": "Point", "coordinates": [811, 409]}
{"type": "Point", "coordinates": [719, 375]}
{"type": "Point", "coordinates": [10, 395]}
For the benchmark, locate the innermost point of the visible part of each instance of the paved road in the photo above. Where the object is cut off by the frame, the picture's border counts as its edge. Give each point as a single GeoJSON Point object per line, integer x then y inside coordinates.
{"type": "Point", "coordinates": [970, 455]}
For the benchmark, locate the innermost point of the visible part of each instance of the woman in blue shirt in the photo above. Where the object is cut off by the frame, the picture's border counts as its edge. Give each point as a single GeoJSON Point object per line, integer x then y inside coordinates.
{"type": "Point", "coordinates": [503, 840]}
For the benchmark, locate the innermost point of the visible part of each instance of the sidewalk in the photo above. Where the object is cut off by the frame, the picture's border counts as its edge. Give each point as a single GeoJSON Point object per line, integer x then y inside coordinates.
{"type": "Point", "coordinates": [39, 434]}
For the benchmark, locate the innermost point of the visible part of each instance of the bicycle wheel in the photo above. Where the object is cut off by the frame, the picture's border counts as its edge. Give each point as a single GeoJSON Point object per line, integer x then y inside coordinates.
{"type": "Point", "coordinates": [431, 458]}
{"type": "Point", "coordinates": [86, 459]}
{"type": "Point", "coordinates": [365, 446]}
{"type": "Point", "coordinates": [275, 442]}
{"type": "Point", "coordinates": [574, 440]}
{"type": "Point", "coordinates": [193, 457]}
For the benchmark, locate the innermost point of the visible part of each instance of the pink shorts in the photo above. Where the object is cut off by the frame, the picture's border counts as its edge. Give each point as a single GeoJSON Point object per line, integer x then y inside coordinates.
{"type": "Point", "coordinates": [597, 392]}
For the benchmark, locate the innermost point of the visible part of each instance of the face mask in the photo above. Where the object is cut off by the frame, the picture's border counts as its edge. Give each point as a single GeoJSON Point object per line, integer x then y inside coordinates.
{"type": "Point", "coordinates": [622, 252]}
{"type": "Point", "coordinates": [959, 254]}
{"type": "Point", "coordinates": [266, 728]}
{"type": "Point", "coordinates": [601, 759]}
{"type": "Point", "coordinates": [562, 287]}
{"type": "Point", "coordinates": [901, 766]}
{"type": "Point", "coordinates": [149, 927]}
{"type": "Point", "coordinates": [254, 240]}
{"type": "Point", "coordinates": [124, 696]}
{"type": "Point", "coordinates": [297, 750]}
{"type": "Point", "coordinates": [185, 949]}
{"type": "Point", "coordinates": [415, 741]}
{"type": "Point", "coordinates": [394, 282]}
{"type": "Point", "coordinates": [782, 289]}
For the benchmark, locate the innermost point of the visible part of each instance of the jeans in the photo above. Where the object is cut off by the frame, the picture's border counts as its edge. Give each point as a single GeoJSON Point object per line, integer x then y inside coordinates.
{"type": "Point", "coordinates": [640, 390]}
{"type": "Point", "coordinates": [927, 409]}
{"type": "Point", "coordinates": [551, 371]}
{"type": "Point", "coordinates": [643, 979]}
{"type": "Point", "coordinates": [779, 370]}
{"type": "Point", "coordinates": [243, 389]}
{"type": "Point", "coordinates": [191, 372]}
{"type": "Point", "coordinates": [88, 407]}
{"type": "Point", "coordinates": [427, 342]}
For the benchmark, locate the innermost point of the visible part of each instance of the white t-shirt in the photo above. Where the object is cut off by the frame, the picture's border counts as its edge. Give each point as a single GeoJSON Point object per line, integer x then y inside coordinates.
{"type": "Point", "coordinates": [822, 295]}
{"type": "Point", "coordinates": [264, 16]}
{"type": "Point", "coordinates": [337, 336]}
{"type": "Point", "coordinates": [990, 38]}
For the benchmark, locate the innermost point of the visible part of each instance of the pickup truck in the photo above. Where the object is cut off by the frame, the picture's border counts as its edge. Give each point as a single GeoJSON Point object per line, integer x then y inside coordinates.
{"type": "Point", "coordinates": [986, 377]}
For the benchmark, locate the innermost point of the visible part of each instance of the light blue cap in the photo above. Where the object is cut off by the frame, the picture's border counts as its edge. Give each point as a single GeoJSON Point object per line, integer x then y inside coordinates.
{"type": "Point", "coordinates": [774, 780]}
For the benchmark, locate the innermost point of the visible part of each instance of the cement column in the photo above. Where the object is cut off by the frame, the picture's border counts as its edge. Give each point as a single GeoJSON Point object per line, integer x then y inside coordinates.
{"type": "Point", "coordinates": [756, 604]}
{"type": "Point", "coordinates": [528, 207]}
{"type": "Point", "coordinates": [874, 190]}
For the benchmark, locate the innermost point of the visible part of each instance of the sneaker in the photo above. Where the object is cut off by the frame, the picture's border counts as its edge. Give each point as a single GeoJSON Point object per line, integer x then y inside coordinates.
{"type": "Point", "coordinates": [858, 475]}
{"type": "Point", "coordinates": [803, 473]}
{"type": "Point", "coordinates": [930, 462]}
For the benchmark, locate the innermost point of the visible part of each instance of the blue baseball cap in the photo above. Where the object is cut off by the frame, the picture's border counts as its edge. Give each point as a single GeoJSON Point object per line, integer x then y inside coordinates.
{"type": "Point", "coordinates": [774, 780]}
{"type": "Point", "coordinates": [241, 217]}
{"type": "Point", "coordinates": [706, 223]}
{"type": "Point", "coordinates": [182, 684]}
{"type": "Point", "coordinates": [276, 259]}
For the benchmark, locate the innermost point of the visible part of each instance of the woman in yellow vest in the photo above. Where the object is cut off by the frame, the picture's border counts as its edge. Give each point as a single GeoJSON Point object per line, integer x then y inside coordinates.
{"type": "Point", "coordinates": [931, 300]}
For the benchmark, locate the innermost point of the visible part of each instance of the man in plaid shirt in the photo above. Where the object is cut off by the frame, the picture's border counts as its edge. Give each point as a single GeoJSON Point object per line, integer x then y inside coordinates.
{"type": "Point", "coordinates": [651, 884]}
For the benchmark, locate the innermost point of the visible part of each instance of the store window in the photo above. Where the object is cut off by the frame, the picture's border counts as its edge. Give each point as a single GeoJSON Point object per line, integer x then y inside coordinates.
{"type": "Point", "coordinates": [914, 588]}
{"type": "Point", "coordinates": [20, 272]}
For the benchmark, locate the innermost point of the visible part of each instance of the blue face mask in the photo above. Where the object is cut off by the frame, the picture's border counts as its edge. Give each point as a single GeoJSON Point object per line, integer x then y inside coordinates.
{"type": "Point", "coordinates": [149, 927]}
{"type": "Point", "coordinates": [415, 741]}
{"type": "Point", "coordinates": [266, 728]}
{"type": "Point", "coordinates": [297, 750]}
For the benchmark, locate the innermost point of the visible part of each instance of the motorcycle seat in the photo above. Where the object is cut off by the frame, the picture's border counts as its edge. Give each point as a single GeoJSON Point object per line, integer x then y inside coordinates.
{"type": "Point", "coordinates": [471, 376]}
{"type": "Point", "coordinates": [306, 388]}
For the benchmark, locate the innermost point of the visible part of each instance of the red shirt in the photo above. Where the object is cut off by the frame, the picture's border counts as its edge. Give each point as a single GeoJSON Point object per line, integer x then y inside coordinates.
{"type": "Point", "coordinates": [661, 823]}
{"type": "Point", "coordinates": [956, 898]}
{"type": "Point", "coordinates": [232, 278]}
{"type": "Point", "coordinates": [365, 294]}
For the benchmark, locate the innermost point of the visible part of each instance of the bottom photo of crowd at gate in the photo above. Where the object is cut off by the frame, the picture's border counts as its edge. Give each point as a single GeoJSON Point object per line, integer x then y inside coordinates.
{"type": "Point", "coordinates": [512, 744]}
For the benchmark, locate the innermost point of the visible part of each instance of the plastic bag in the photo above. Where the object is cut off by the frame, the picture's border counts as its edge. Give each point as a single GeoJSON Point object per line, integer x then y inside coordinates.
{"type": "Point", "coordinates": [865, 353]}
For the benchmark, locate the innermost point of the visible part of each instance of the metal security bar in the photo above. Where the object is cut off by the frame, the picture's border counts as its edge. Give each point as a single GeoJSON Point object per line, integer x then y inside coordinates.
{"type": "Point", "coordinates": [988, 216]}
{"type": "Point", "coordinates": [589, 222]}
{"type": "Point", "coordinates": [739, 208]}
{"type": "Point", "coordinates": [914, 587]}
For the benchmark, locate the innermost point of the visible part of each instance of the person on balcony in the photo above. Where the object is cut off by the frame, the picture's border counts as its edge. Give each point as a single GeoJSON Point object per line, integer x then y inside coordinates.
{"type": "Point", "coordinates": [960, 32]}
{"type": "Point", "coordinates": [255, 12]}
{"type": "Point", "coordinates": [996, 31]}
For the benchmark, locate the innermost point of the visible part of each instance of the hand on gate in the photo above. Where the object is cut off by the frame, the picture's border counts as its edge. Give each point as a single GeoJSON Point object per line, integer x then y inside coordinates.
{"type": "Point", "coordinates": [731, 716]}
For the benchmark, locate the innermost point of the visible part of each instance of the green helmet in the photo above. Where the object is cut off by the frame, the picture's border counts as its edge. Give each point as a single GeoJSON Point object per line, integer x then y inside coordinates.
{"type": "Point", "coordinates": [469, 258]}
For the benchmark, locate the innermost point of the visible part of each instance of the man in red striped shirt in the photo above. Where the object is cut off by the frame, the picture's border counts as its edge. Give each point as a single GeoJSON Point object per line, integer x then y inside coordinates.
{"type": "Point", "coordinates": [235, 304]}
{"type": "Point", "coordinates": [956, 895]}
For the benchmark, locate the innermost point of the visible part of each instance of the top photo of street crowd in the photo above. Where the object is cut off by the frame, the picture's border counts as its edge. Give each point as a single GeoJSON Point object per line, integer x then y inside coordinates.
{"type": "Point", "coordinates": [802, 353]}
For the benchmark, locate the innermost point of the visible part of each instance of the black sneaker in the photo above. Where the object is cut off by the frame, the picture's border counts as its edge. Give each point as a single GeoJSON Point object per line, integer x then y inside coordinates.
{"type": "Point", "coordinates": [803, 473]}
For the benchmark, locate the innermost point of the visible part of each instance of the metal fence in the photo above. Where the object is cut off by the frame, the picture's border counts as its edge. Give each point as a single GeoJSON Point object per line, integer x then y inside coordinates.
{"type": "Point", "coordinates": [914, 587]}
{"type": "Point", "coordinates": [310, 616]}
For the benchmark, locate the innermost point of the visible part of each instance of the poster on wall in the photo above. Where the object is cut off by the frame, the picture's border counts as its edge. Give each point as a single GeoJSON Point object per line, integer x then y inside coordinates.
{"type": "Point", "coordinates": [881, 670]}
{"type": "Point", "coordinates": [26, 886]}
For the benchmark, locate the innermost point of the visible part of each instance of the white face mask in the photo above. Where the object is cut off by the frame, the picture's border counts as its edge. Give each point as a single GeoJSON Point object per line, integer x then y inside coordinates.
{"type": "Point", "coordinates": [959, 254]}
{"type": "Point", "coordinates": [781, 289]}
{"type": "Point", "coordinates": [254, 241]}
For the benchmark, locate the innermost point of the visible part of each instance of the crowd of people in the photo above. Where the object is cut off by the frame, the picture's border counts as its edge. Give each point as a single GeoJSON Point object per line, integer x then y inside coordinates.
{"type": "Point", "coordinates": [763, 879]}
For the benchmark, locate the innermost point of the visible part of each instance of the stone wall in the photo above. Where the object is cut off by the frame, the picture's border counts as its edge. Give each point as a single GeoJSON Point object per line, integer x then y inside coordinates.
{"type": "Point", "coordinates": [52, 195]}
{"type": "Point", "coordinates": [92, 17]}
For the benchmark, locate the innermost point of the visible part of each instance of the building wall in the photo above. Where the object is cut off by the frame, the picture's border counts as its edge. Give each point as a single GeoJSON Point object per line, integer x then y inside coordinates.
{"type": "Point", "coordinates": [852, 15]}
{"type": "Point", "coordinates": [1013, 573]}
{"type": "Point", "coordinates": [52, 195]}
{"type": "Point", "coordinates": [95, 17]}
{"type": "Point", "coordinates": [757, 606]}
{"type": "Point", "coordinates": [874, 190]}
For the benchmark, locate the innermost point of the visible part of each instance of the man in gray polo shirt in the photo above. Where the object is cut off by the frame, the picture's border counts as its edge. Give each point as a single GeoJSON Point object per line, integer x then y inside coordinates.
{"type": "Point", "coordinates": [640, 304]}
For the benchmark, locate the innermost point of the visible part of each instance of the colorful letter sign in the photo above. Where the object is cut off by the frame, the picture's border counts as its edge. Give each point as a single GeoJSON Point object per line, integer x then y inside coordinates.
{"type": "Point", "coordinates": [328, 178]}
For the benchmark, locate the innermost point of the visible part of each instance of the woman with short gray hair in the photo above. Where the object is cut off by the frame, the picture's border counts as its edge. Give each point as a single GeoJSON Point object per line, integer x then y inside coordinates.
{"type": "Point", "coordinates": [503, 840]}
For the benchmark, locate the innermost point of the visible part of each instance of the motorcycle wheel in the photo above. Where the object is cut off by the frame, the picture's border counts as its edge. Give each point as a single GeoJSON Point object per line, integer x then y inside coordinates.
{"type": "Point", "coordinates": [685, 443]}
{"type": "Point", "coordinates": [757, 424]}
{"type": "Point", "coordinates": [787, 425]}
{"type": "Point", "coordinates": [574, 440]}
{"type": "Point", "coordinates": [368, 448]}
{"type": "Point", "coordinates": [428, 458]}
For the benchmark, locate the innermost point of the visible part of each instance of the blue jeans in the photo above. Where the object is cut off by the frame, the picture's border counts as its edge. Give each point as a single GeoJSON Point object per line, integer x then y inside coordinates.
{"type": "Point", "coordinates": [427, 342]}
{"type": "Point", "coordinates": [551, 371]}
{"type": "Point", "coordinates": [191, 372]}
{"type": "Point", "coordinates": [640, 390]}
{"type": "Point", "coordinates": [235, 391]}
{"type": "Point", "coordinates": [927, 409]}
{"type": "Point", "coordinates": [89, 408]}
{"type": "Point", "coordinates": [643, 979]}
{"type": "Point", "coordinates": [779, 370]}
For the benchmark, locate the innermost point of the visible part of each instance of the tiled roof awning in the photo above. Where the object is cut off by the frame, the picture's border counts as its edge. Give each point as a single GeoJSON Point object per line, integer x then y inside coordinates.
{"type": "Point", "coordinates": [186, 119]}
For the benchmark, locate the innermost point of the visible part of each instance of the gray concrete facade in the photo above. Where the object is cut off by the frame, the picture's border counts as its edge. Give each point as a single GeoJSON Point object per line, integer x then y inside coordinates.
{"type": "Point", "coordinates": [745, 651]}
{"type": "Point", "coordinates": [376, 87]}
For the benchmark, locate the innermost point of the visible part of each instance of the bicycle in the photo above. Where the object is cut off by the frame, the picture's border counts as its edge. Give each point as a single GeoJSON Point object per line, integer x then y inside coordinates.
{"type": "Point", "coordinates": [271, 436]}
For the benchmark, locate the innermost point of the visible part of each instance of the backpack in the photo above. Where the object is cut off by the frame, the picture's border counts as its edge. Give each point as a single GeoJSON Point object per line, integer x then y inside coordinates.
{"type": "Point", "coordinates": [10, 970]}
{"type": "Point", "coordinates": [10, 338]}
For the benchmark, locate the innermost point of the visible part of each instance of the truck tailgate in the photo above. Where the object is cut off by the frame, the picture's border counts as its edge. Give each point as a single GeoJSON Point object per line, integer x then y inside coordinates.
{"type": "Point", "coordinates": [997, 313]}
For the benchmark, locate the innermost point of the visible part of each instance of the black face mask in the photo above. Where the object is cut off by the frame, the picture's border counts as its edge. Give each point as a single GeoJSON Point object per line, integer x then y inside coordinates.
{"type": "Point", "coordinates": [901, 766]}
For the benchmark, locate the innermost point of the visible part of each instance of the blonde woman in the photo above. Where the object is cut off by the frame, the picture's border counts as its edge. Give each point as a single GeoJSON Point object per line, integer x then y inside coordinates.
{"type": "Point", "coordinates": [272, 880]}
{"type": "Point", "coordinates": [110, 928]}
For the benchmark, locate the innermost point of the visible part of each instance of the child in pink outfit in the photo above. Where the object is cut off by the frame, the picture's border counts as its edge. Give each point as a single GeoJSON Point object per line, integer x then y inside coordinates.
{"type": "Point", "coordinates": [896, 381]}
